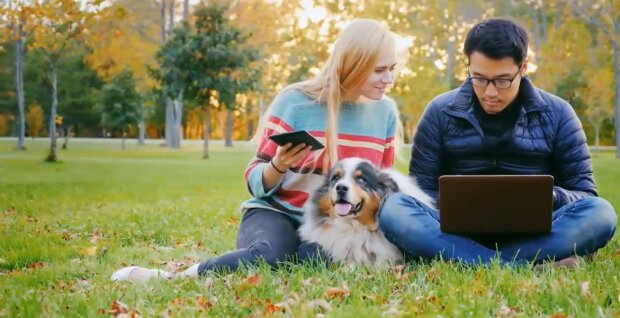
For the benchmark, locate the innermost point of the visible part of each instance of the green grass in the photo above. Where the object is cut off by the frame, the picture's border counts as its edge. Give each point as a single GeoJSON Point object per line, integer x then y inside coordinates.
{"type": "Point", "coordinates": [151, 206]}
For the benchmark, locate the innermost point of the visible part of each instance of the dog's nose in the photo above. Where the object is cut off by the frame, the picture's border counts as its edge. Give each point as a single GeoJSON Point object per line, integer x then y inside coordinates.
{"type": "Point", "coordinates": [342, 189]}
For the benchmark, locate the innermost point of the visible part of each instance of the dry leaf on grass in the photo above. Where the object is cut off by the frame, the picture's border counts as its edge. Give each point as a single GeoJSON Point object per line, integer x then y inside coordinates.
{"type": "Point", "coordinates": [337, 292]}
{"type": "Point", "coordinates": [36, 265]}
{"type": "Point", "coordinates": [558, 315]}
{"type": "Point", "coordinates": [95, 236]}
{"type": "Point", "coordinates": [203, 303]}
{"type": "Point", "coordinates": [252, 280]}
{"type": "Point", "coordinates": [585, 290]}
{"type": "Point", "coordinates": [273, 308]}
{"type": "Point", "coordinates": [120, 310]}
{"type": "Point", "coordinates": [89, 251]}
{"type": "Point", "coordinates": [505, 311]}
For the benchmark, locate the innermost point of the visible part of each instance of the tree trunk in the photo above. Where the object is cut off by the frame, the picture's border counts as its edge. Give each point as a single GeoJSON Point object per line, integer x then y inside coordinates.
{"type": "Point", "coordinates": [52, 157]}
{"type": "Point", "coordinates": [19, 87]}
{"type": "Point", "coordinates": [248, 115]}
{"type": "Point", "coordinates": [141, 132]}
{"type": "Point", "coordinates": [170, 123]}
{"type": "Point", "coordinates": [559, 7]}
{"type": "Point", "coordinates": [123, 141]}
{"type": "Point", "coordinates": [178, 121]}
{"type": "Point", "coordinates": [536, 32]}
{"type": "Point", "coordinates": [186, 10]}
{"type": "Point", "coordinates": [66, 132]}
{"type": "Point", "coordinates": [596, 135]}
{"type": "Point", "coordinates": [614, 41]}
{"type": "Point", "coordinates": [205, 134]}
{"type": "Point", "coordinates": [162, 21]}
{"type": "Point", "coordinates": [229, 126]}
{"type": "Point", "coordinates": [171, 16]}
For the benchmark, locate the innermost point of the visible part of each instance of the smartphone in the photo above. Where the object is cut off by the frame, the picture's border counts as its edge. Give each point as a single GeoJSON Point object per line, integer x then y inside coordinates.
{"type": "Point", "coordinates": [296, 138]}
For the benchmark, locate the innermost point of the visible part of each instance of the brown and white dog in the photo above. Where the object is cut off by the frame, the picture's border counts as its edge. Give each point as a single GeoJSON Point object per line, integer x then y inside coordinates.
{"type": "Point", "coordinates": [342, 214]}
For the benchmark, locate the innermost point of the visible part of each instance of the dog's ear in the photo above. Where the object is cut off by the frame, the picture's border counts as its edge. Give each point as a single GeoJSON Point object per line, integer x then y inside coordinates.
{"type": "Point", "coordinates": [388, 185]}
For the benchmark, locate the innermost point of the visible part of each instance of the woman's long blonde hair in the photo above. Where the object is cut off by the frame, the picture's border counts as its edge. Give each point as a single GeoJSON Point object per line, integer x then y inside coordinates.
{"type": "Point", "coordinates": [352, 61]}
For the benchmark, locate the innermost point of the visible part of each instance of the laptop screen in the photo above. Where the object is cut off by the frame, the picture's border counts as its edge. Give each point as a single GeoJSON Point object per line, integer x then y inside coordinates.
{"type": "Point", "coordinates": [496, 204]}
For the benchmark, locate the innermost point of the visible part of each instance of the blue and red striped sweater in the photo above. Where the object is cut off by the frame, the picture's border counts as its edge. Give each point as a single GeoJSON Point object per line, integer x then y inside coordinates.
{"type": "Point", "coordinates": [365, 130]}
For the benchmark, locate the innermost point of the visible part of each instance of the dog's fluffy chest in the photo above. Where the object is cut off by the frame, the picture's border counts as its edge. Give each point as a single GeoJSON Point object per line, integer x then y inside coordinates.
{"type": "Point", "coordinates": [349, 241]}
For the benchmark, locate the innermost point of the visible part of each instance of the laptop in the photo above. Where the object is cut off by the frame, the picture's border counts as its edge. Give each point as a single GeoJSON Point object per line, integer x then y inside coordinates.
{"type": "Point", "coordinates": [496, 204]}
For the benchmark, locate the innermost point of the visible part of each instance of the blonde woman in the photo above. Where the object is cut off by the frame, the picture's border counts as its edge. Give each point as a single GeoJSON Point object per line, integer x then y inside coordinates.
{"type": "Point", "coordinates": [346, 108]}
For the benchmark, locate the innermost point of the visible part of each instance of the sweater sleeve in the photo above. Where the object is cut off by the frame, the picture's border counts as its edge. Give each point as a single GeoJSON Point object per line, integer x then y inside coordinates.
{"type": "Point", "coordinates": [280, 119]}
{"type": "Point", "coordinates": [389, 152]}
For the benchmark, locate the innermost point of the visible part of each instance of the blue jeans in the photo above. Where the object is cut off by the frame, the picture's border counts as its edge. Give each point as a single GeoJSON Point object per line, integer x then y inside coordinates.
{"type": "Point", "coordinates": [578, 228]}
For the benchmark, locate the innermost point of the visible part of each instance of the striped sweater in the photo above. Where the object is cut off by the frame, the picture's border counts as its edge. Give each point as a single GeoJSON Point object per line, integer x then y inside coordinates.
{"type": "Point", "coordinates": [365, 130]}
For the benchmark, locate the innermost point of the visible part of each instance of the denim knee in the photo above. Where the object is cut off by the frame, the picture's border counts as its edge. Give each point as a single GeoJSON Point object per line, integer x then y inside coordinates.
{"type": "Point", "coordinates": [603, 217]}
{"type": "Point", "coordinates": [397, 216]}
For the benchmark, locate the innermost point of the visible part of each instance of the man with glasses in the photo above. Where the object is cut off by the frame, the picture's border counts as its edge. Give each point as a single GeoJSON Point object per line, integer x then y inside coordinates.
{"type": "Point", "coordinates": [498, 122]}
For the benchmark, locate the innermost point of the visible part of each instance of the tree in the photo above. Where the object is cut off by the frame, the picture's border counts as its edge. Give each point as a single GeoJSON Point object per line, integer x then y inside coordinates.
{"type": "Point", "coordinates": [605, 16]}
{"type": "Point", "coordinates": [17, 24]}
{"type": "Point", "coordinates": [127, 35]}
{"type": "Point", "coordinates": [61, 25]}
{"type": "Point", "coordinates": [209, 64]}
{"type": "Point", "coordinates": [120, 103]}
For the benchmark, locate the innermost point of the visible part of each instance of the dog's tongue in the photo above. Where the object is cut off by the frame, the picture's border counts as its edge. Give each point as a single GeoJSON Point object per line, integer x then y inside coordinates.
{"type": "Point", "coordinates": [343, 208]}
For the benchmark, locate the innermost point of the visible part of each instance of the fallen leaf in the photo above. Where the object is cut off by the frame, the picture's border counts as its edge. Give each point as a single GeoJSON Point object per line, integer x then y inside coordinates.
{"type": "Point", "coordinates": [203, 303]}
{"type": "Point", "coordinates": [558, 315]}
{"type": "Point", "coordinates": [233, 220]}
{"type": "Point", "coordinates": [505, 311]}
{"type": "Point", "coordinates": [339, 292]}
{"type": "Point", "coordinates": [89, 251]}
{"type": "Point", "coordinates": [95, 236]}
{"type": "Point", "coordinates": [308, 282]}
{"type": "Point", "coordinates": [252, 280]}
{"type": "Point", "coordinates": [585, 290]}
{"type": "Point", "coordinates": [36, 265]}
{"type": "Point", "coordinates": [273, 308]}
{"type": "Point", "coordinates": [118, 308]}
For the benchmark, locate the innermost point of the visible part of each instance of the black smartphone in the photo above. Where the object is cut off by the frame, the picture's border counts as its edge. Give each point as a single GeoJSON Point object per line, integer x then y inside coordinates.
{"type": "Point", "coordinates": [296, 138]}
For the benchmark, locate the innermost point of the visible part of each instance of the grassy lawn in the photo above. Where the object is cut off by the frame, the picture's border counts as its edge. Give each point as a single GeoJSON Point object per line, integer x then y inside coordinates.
{"type": "Point", "coordinates": [66, 227]}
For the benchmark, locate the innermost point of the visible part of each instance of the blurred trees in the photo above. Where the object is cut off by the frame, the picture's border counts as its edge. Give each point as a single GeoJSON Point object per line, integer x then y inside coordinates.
{"type": "Point", "coordinates": [572, 55]}
{"type": "Point", "coordinates": [120, 103]}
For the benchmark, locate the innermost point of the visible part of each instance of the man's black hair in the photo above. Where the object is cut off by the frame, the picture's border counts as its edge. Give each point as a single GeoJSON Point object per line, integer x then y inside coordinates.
{"type": "Point", "coordinates": [497, 38]}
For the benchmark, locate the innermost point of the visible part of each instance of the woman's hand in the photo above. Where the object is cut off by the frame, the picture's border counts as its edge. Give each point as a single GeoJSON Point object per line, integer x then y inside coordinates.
{"type": "Point", "coordinates": [288, 156]}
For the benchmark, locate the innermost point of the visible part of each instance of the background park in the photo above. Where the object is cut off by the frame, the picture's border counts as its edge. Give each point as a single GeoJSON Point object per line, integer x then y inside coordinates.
{"type": "Point", "coordinates": [122, 120]}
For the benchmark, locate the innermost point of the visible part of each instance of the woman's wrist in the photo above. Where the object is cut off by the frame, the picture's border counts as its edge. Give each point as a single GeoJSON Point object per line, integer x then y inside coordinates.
{"type": "Point", "coordinates": [280, 171]}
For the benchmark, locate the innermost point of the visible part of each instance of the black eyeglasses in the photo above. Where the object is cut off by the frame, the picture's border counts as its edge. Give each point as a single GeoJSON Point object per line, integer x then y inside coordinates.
{"type": "Point", "coordinates": [498, 83]}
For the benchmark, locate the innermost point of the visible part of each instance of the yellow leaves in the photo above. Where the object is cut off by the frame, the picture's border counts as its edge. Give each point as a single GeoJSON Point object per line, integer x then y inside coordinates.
{"type": "Point", "coordinates": [89, 251]}
{"type": "Point", "coordinates": [338, 292]}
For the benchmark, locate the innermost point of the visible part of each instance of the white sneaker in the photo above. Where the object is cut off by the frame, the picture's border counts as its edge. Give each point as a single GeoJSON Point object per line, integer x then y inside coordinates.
{"type": "Point", "coordinates": [139, 274]}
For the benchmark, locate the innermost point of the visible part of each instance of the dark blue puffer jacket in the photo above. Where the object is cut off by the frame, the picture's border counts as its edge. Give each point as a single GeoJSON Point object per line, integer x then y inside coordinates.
{"type": "Point", "coordinates": [547, 139]}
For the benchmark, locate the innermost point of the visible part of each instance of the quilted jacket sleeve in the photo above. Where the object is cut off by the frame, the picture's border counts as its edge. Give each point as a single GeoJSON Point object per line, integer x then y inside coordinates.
{"type": "Point", "coordinates": [425, 164]}
{"type": "Point", "coordinates": [572, 167]}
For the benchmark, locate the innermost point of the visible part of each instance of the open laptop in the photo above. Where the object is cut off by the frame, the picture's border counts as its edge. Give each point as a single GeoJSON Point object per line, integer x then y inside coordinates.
{"type": "Point", "coordinates": [496, 204]}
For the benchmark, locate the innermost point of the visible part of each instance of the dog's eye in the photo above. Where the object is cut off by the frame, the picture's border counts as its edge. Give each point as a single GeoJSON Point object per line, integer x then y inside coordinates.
{"type": "Point", "coordinates": [361, 179]}
{"type": "Point", "coordinates": [335, 177]}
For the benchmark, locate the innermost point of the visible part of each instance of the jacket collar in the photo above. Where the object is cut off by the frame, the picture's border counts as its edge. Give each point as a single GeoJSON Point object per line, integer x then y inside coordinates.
{"type": "Point", "coordinates": [462, 102]}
